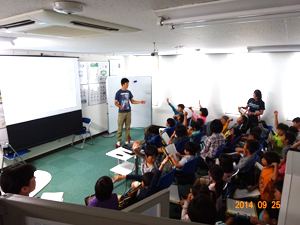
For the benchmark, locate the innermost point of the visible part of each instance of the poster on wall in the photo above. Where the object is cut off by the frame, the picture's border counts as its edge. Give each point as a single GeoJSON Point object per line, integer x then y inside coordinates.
{"type": "Point", "coordinates": [3, 130]}
{"type": "Point", "coordinates": [103, 71]}
{"type": "Point", "coordinates": [93, 73]}
{"type": "Point", "coordinates": [83, 74]}
{"type": "Point", "coordinates": [84, 89]}
{"type": "Point", "coordinates": [115, 67]}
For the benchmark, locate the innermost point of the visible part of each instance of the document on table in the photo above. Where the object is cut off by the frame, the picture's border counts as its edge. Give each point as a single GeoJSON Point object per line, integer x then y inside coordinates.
{"type": "Point", "coordinates": [54, 196]}
{"type": "Point", "coordinates": [244, 193]}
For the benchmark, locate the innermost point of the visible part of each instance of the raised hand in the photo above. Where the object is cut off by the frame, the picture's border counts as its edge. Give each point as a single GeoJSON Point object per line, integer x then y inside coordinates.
{"type": "Point", "coordinates": [168, 101]}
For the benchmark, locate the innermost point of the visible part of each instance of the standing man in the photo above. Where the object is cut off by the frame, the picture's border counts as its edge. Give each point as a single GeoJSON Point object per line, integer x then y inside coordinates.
{"type": "Point", "coordinates": [123, 96]}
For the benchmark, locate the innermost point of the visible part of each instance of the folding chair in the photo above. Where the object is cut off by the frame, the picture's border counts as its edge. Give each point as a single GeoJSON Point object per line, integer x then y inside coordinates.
{"type": "Point", "coordinates": [167, 179]}
{"type": "Point", "coordinates": [198, 138]}
{"type": "Point", "coordinates": [187, 174]}
{"type": "Point", "coordinates": [180, 145]}
{"type": "Point", "coordinates": [16, 156]}
{"type": "Point", "coordinates": [234, 143]}
{"type": "Point", "coordinates": [84, 133]}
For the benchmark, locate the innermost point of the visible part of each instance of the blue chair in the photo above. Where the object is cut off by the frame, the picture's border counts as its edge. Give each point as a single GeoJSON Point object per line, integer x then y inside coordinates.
{"type": "Point", "coordinates": [157, 141]}
{"type": "Point", "coordinates": [166, 180]}
{"type": "Point", "coordinates": [84, 133]}
{"type": "Point", "coordinates": [219, 151]}
{"type": "Point", "coordinates": [259, 150]}
{"type": "Point", "coordinates": [180, 145]}
{"type": "Point", "coordinates": [234, 143]}
{"type": "Point", "coordinates": [248, 174]}
{"type": "Point", "coordinates": [170, 130]}
{"type": "Point", "coordinates": [189, 121]}
{"type": "Point", "coordinates": [198, 137]}
{"type": "Point", "coordinates": [266, 136]}
{"type": "Point", "coordinates": [190, 166]}
{"type": "Point", "coordinates": [187, 173]}
{"type": "Point", "coordinates": [204, 128]}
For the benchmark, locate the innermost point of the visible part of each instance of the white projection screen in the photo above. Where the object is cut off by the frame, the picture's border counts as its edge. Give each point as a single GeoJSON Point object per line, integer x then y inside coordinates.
{"type": "Point", "coordinates": [41, 98]}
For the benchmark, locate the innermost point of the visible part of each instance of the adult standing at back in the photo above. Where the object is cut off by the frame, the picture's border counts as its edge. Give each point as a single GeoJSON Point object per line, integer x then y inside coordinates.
{"type": "Point", "coordinates": [255, 107]}
{"type": "Point", "coordinates": [122, 101]}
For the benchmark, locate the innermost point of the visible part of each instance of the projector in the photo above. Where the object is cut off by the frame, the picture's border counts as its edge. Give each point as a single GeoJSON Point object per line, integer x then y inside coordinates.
{"type": "Point", "coordinates": [154, 54]}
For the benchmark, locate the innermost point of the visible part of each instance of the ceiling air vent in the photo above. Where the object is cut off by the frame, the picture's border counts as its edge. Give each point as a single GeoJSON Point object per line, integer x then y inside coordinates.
{"type": "Point", "coordinates": [17, 24]}
{"type": "Point", "coordinates": [78, 23]}
{"type": "Point", "coordinates": [52, 24]}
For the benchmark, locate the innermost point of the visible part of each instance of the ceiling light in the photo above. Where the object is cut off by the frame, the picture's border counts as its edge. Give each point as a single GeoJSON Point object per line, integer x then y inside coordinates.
{"type": "Point", "coordinates": [223, 50]}
{"type": "Point", "coordinates": [68, 7]}
{"type": "Point", "coordinates": [274, 48]}
{"type": "Point", "coordinates": [224, 12]}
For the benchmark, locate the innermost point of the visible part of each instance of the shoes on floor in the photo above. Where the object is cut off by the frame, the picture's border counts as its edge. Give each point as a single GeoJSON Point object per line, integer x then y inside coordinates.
{"type": "Point", "coordinates": [118, 144]}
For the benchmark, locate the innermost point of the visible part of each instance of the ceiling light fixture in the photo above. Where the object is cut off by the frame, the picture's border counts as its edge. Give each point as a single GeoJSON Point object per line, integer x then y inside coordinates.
{"type": "Point", "coordinates": [274, 48]}
{"type": "Point", "coordinates": [68, 7]}
{"type": "Point", "coordinates": [221, 13]}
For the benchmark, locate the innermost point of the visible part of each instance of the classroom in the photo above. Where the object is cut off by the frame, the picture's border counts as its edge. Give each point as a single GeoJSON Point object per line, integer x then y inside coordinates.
{"type": "Point", "coordinates": [215, 52]}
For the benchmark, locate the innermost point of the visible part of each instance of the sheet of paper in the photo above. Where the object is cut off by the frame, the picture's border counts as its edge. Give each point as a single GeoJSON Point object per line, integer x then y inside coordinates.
{"type": "Point", "coordinates": [171, 149]}
{"type": "Point", "coordinates": [244, 193]}
{"type": "Point", "coordinates": [54, 196]}
{"type": "Point", "coordinates": [241, 208]}
{"type": "Point", "coordinates": [174, 194]}
{"type": "Point", "coordinates": [165, 136]}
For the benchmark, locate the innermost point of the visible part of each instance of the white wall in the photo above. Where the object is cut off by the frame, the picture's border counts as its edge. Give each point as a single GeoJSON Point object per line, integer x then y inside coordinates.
{"type": "Point", "coordinates": [215, 79]}
{"type": "Point", "coordinates": [97, 113]}
{"type": "Point", "coordinates": [220, 79]}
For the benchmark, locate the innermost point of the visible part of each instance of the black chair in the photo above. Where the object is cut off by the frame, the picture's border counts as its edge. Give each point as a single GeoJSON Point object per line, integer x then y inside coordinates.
{"type": "Point", "coordinates": [84, 133]}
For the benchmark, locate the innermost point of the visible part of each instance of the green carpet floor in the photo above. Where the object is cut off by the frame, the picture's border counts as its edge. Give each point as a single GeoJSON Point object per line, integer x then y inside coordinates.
{"type": "Point", "coordinates": [75, 171]}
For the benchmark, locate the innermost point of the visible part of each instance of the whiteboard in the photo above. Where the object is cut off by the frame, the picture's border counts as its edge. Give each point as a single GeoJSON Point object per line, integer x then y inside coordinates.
{"type": "Point", "coordinates": [141, 89]}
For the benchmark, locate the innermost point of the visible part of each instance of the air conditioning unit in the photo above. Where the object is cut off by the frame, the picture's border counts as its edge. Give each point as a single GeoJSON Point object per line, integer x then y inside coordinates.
{"type": "Point", "coordinates": [49, 23]}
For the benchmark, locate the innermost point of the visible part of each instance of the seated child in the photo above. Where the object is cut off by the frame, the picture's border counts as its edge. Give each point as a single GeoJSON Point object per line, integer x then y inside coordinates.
{"type": "Point", "coordinates": [293, 130]}
{"type": "Point", "coordinates": [203, 113]}
{"type": "Point", "coordinates": [226, 162]}
{"type": "Point", "coordinates": [250, 147]}
{"type": "Point", "coordinates": [215, 183]}
{"type": "Point", "coordinates": [178, 111]}
{"type": "Point", "coordinates": [269, 215]}
{"type": "Point", "coordinates": [267, 176]}
{"type": "Point", "coordinates": [252, 136]}
{"type": "Point", "coordinates": [212, 143]}
{"type": "Point", "coordinates": [241, 123]}
{"type": "Point", "coordinates": [190, 150]}
{"type": "Point", "coordinates": [195, 191]}
{"type": "Point", "coordinates": [296, 123]}
{"type": "Point", "coordinates": [179, 134]}
{"type": "Point", "coordinates": [278, 185]}
{"type": "Point", "coordinates": [148, 159]}
{"type": "Point", "coordinates": [169, 126]}
{"type": "Point", "coordinates": [202, 210]}
{"type": "Point", "coordinates": [225, 121]}
{"type": "Point", "coordinates": [104, 196]}
{"type": "Point", "coordinates": [18, 179]}
{"type": "Point", "coordinates": [148, 181]}
{"type": "Point", "coordinates": [234, 133]}
{"type": "Point", "coordinates": [287, 139]}
{"type": "Point", "coordinates": [194, 130]}
{"type": "Point", "coordinates": [281, 128]}
{"type": "Point", "coordinates": [150, 136]}
{"type": "Point", "coordinates": [282, 165]}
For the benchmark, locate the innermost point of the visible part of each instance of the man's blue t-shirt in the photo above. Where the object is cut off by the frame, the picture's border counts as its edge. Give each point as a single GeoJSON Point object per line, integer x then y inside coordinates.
{"type": "Point", "coordinates": [123, 97]}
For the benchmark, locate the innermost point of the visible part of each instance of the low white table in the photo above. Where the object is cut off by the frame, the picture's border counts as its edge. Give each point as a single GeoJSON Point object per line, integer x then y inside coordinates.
{"type": "Point", "coordinates": [123, 167]}
{"type": "Point", "coordinates": [42, 179]}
